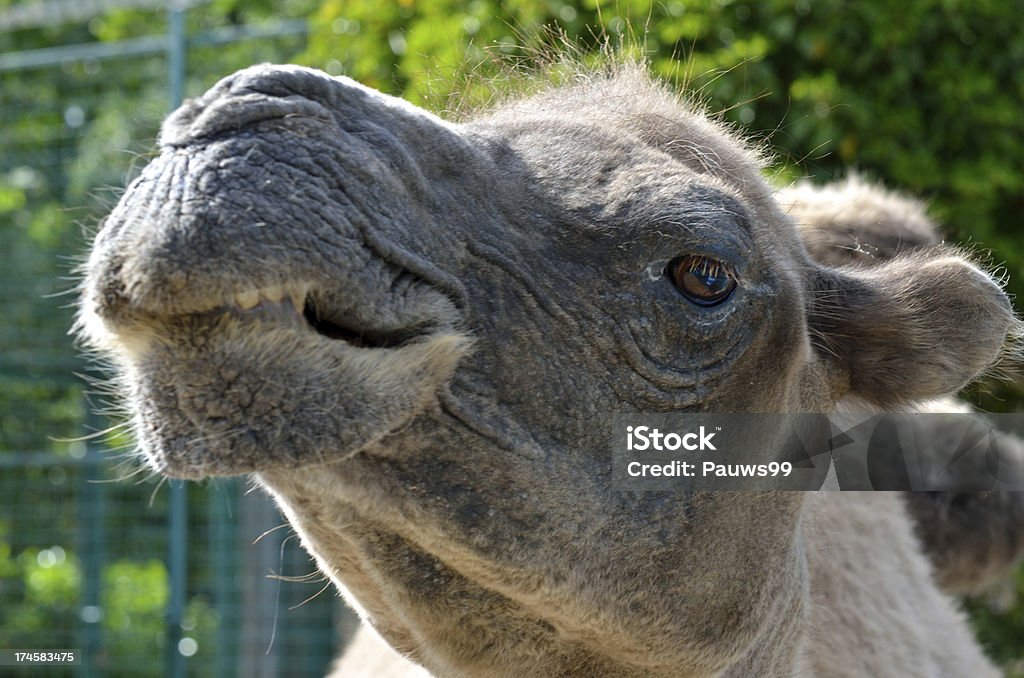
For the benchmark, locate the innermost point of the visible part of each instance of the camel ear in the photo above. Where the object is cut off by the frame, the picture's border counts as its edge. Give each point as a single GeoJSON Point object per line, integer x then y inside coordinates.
{"type": "Point", "coordinates": [916, 327]}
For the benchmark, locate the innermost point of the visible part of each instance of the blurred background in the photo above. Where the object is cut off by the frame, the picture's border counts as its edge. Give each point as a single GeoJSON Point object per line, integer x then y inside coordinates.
{"type": "Point", "coordinates": [151, 578]}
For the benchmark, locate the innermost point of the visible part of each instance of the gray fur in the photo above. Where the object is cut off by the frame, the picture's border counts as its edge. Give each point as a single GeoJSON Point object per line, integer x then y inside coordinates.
{"type": "Point", "coordinates": [972, 538]}
{"type": "Point", "coordinates": [854, 221]}
{"type": "Point", "coordinates": [496, 291]}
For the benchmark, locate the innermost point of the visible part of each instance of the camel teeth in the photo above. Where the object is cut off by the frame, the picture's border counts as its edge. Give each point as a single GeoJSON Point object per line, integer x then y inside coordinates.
{"type": "Point", "coordinates": [247, 299]}
{"type": "Point", "coordinates": [274, 293]}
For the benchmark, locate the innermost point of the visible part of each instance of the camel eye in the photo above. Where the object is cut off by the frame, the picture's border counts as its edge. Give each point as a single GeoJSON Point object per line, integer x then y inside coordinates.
{"type": "Point", "coordinates": [702, 280]}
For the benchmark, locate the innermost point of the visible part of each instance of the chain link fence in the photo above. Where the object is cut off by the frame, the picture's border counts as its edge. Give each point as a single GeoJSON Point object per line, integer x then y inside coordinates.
{"type": "Point", "coordinates": [139, 576]}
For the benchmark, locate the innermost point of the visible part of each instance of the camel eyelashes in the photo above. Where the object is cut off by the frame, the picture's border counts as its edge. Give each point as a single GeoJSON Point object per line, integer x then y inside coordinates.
{"type": "Point", "coordinates": [702, 280]}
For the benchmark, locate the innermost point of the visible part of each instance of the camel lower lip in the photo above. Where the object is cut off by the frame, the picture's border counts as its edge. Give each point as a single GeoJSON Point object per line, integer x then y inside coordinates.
{"type": "Point", "coordinates": [230, 390]}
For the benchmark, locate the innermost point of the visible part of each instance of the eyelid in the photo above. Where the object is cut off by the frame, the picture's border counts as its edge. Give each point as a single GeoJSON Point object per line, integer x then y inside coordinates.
{"type": "Point", "coordinates": [703, 261]}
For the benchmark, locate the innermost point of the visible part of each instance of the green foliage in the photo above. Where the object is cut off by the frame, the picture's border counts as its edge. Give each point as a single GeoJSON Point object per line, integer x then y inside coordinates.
{"type": "Point", "coordinates": [133, 606]}
{"type": "Point", "coordinates": [47, 582]}
{"type": "Point", "coordinates": [999, 619]}
{"type": "Point", "coordinates": [134, 597]}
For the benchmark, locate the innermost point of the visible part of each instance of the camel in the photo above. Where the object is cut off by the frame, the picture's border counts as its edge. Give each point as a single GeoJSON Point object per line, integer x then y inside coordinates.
{"type": "Point", "coordinates": [413, 331]}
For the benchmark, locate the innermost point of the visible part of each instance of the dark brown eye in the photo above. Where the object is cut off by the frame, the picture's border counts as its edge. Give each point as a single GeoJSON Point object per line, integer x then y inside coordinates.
{"type": "Point", "coordinates": [702, 280]}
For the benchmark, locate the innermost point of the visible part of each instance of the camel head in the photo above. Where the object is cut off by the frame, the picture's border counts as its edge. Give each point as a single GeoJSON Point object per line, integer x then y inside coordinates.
{"type": "Point", "coordinates": [414, 332]}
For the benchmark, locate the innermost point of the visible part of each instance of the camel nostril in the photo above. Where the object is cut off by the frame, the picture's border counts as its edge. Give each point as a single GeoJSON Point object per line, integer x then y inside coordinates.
{"type": "Point", "coordinates": [246, 99]}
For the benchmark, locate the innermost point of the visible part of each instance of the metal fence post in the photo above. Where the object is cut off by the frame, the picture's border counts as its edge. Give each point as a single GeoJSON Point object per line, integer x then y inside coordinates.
{"type": "Point", "coordinates": [178, 527]}
{"type": "Point", "coordinates": [222, 509]}
{"type": "Point", "coordinates": [92, 540]}
{"type": "Point", "coordinates": [176, 46]}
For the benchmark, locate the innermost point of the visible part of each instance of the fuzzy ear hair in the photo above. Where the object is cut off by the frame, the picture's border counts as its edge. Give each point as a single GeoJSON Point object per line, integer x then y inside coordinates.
{"type": "Point", "coordinates": [913, 328]}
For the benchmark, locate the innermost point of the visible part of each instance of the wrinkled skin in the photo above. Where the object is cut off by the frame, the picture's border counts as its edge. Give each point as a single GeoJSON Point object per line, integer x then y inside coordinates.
{"type": "Point", "coordinates": [476, 299]}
